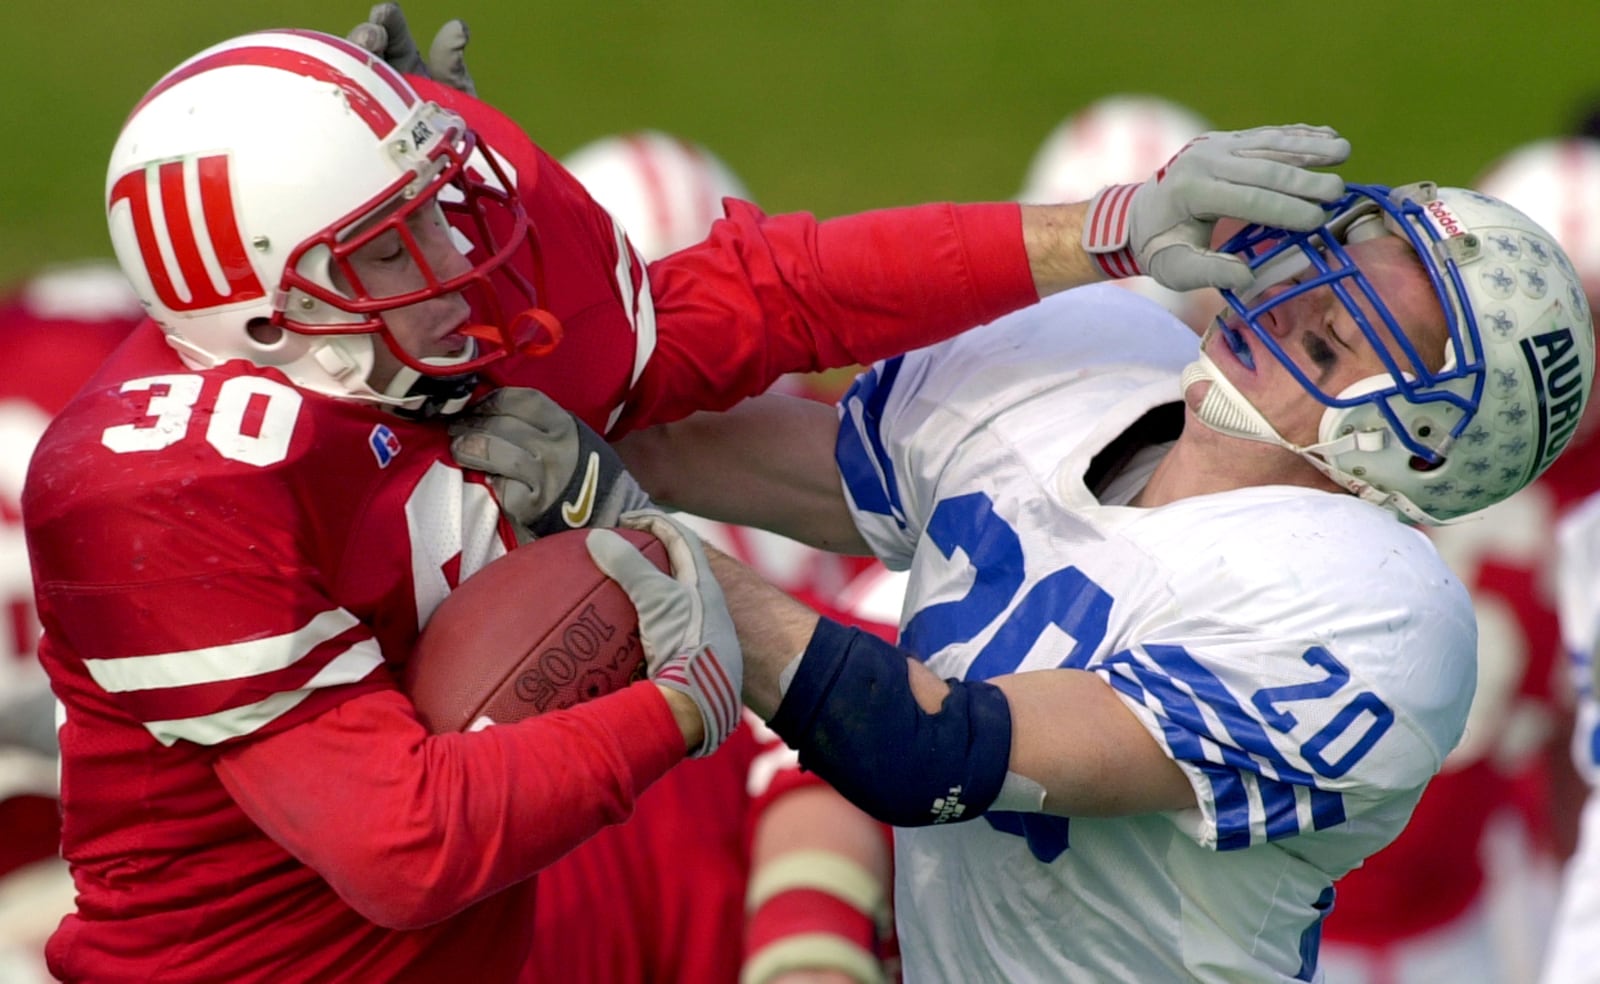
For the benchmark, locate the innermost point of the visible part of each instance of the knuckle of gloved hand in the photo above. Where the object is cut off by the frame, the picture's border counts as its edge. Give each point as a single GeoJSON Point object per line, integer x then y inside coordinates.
{"type": "Point", "coordinates": [475, 443]}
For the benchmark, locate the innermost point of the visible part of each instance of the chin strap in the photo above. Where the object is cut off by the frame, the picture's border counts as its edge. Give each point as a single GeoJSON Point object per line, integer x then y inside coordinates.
{"type": "Point", "coordinates": [419, 397]}
{"type": "Point", "coordinates": [1225, 410]}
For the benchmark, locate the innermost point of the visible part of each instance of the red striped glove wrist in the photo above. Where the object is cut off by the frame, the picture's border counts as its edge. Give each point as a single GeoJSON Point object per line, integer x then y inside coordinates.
{"type": "Point", "coordinates": [1105, 232]}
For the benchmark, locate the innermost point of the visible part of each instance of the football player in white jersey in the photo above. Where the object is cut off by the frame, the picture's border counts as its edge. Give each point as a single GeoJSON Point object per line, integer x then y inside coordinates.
{"type": "Point", "coordinates": [1170, 663]}
{"type": "Point", "coordinates": [1574, 954]}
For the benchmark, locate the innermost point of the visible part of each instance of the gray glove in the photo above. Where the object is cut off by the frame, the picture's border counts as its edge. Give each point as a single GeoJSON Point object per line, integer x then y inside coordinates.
{"type": "Point", "coordinates": [1162, 228]}
{"type": "Point", "coordinates": [688, 636]}
{"type": "Point", "coordinates": [550, 471]}
{"type": "Point", "coordinates": [386, 35]}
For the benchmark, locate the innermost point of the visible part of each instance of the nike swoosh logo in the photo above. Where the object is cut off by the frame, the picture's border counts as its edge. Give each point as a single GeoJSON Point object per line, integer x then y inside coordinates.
{"type": "Point", "coordinates": [578, 511]}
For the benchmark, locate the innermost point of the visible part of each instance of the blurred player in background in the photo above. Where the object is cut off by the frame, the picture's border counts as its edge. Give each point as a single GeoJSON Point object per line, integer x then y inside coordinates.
{"type": "Point", "coordinates": [665, 190]}
{"type": "Point", "coordinates": [1573, 955]}
{"type": "Point", "coordinates": [1465, 893]}
{"type": "Point", "coordinates": [1115, 139]}
{"type": "Point", "coordinates": [1574, 952]}
{"type": "Point", "coordinates": [57, 327]}
{"type": "Point", "coordinates": [743, 828]}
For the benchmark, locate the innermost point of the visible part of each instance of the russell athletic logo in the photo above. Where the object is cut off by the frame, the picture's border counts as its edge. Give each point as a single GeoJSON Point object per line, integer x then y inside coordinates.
{"type": "Point", "coordinates": [209, 266]}
{"type": "Point", "coordinates": [384, 444]}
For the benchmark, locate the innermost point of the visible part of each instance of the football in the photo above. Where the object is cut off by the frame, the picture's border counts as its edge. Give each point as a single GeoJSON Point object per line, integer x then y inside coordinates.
{"type": "Point", "coordinates": [537, 630]}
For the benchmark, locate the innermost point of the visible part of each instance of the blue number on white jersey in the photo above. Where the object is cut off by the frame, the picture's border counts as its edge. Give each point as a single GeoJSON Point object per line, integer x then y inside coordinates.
{"type": "Point", "coordinates": [1246, 630]}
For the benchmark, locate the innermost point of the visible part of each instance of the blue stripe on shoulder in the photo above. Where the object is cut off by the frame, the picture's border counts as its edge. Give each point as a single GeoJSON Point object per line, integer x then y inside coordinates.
{"type": "Point", "coordinates": [1244, 748]}
{"type": "Point", "coordinates": [864, 462]}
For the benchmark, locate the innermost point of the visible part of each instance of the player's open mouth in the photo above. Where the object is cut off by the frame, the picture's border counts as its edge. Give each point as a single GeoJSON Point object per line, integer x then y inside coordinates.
{"type": "Point", "coordinates": [1236, 344]}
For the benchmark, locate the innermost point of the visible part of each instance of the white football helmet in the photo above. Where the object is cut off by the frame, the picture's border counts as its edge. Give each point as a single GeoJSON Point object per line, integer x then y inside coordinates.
{"type": "Point", "coordinates": [1519, 359]}
{"type": "Point", "coordinates": [251, 171]}
{"type": "Point", "coordinates": [665, 191]}
{"type": "Point", "coordinates": [1556, 183]}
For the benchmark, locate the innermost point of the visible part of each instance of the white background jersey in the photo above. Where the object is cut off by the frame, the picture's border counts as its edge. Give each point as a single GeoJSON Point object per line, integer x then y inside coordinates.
{"type": "Point", "coordinates": [1578, 602]}
{"type": "Point", "coordinates": [1574, 953]}
{"type": "Point", "coordinates": [1306, 659]}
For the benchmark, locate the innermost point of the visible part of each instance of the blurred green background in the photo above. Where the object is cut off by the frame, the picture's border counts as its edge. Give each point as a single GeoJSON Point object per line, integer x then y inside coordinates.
{"type": "Point", "coordinates": [838, 105]}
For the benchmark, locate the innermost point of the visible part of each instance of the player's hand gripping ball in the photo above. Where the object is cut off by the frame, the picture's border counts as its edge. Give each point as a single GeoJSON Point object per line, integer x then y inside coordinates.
{"type": "Point", "coordinates": [537, 630]}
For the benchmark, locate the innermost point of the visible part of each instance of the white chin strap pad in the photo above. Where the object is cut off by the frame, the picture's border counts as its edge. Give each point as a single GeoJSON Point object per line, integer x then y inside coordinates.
{"type": "Point", "coordinates": [1224, 409]}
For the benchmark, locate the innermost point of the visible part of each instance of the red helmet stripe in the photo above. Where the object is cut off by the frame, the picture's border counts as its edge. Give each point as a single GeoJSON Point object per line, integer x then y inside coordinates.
{"type": "Point", "coordinates": [216, 203]}
{"type": "Point", "coordinates": [364, 103]}
{"type": "Point", "coordinates": [393, 78]}
{"type": "Point", "coordinates": [705, 201]}
{"type": "Point", "coordinates": [131, 187]}
{"type": "Point", "coordinates": [654, 183]}
{"type": "Point", "coordinates": [1572, 235]}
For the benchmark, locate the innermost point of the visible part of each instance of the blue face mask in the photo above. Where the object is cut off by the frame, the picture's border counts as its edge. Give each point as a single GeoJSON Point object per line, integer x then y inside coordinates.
{"type": "Point", "coordinates": [1318, 259]}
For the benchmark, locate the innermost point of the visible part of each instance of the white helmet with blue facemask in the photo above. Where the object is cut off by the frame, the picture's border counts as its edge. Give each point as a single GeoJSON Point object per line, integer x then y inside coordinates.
{"type": "Point", "coordinates": [1430, 444]}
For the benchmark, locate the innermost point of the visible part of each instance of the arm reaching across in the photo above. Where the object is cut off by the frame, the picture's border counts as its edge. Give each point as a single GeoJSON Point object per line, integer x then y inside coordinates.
{"type": "Point", "coordinates": [793, 490]}
{"type": "Point", "coordinates": [884, 730]}
{"type": "Point", "coordinates": [1162, 228]}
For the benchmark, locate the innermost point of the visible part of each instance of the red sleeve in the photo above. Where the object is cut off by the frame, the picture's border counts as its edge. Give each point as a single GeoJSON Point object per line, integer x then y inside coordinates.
{"type": "Point", "coordinates": [761, 297]}
{"type": "Point", "coordinates": [410, 828]}
{"type": "Point", "coordinates": [768, 295]}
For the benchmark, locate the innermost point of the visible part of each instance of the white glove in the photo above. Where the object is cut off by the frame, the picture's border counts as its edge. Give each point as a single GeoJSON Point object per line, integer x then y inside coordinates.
{"type": "Point", "coordinates": [549, 469]}
{"type": "Point", "coordinates": [1162, 228]}
{"type": "Point", "coordinates": [385, 34]}
{"type": "Point", "coordinates": [688, 636]}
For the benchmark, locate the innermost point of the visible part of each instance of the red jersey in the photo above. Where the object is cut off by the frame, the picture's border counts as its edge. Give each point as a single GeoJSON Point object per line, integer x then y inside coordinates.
{"type": "Point", "coordinates": [634, 902]}
{"type": "Point", "coordinates": [645, 900]}
{"type": "Point", "coordinates": [230, 569]}
{"type": "Point", "coordinates": [56, 327]}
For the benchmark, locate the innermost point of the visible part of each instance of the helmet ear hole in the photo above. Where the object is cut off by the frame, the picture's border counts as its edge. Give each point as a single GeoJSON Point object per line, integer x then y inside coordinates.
{"type": "Point", "coordinates": [264, 332]}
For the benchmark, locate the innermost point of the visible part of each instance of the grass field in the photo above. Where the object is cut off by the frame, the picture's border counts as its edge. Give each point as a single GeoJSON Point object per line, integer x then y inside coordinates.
{"type": "Point", "coordinates": [838, 105]}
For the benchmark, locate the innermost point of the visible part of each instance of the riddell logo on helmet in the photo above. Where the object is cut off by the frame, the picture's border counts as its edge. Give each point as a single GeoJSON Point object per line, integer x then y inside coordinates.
{"type": "Point", "coordinates": [1445, 219]}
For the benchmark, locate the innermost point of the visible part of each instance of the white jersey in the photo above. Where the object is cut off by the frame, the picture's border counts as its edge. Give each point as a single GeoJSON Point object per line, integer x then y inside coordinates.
{"type": "Point", "coordinates": [1573, 956]}
{"type": "Point", "coordinates": [1303, 657]}
{"type": "Point", "coordinates": [1578, 606]}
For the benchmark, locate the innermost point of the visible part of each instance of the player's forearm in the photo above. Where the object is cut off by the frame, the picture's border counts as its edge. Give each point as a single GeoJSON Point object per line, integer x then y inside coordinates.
{"type": "Point", "coordinates": [889, 734]}
{"type": "Point", "coordinates": [1053, 235]}
{"type": "Point", "coordinates": [1074, 736]}
{"type": "Point", "coordinates": [727, 467]}
{"type": "Point", "coordinates": [410, 829]}
{"type": "Point", "coordinates": [773, 629]}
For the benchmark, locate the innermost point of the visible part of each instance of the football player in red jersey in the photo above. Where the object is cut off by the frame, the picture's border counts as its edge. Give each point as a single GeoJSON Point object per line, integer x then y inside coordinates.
{"type": "Point", "coordinates": [58, 325]}
{"type": "Point", "coordinates": [240, 523]}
